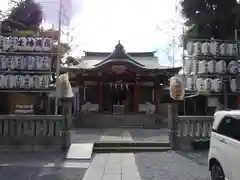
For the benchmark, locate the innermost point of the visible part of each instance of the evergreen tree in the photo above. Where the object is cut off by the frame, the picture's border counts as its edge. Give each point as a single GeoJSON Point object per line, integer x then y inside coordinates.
{"type": "Point", "coordinates": [211, 18]}
{"type": "Point", "coordinates": [25, 19]}
{"type": "Point", "coordinates": [25, 15]}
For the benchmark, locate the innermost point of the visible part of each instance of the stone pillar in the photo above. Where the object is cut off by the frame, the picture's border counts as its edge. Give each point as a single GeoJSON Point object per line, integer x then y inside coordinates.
{"type": "Point", "coordinates": [172, 125]}
{"type": "Point", "coordinates": [136, 97]}
{"type": "Point", "coordinates": [67, 112]}
{"type": "Point", "coordinates": [100, 94]}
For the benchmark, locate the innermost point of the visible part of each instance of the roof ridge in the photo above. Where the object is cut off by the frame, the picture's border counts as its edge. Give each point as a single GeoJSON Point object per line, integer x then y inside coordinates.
{"type": "Point", "coordinates": [117, 54]}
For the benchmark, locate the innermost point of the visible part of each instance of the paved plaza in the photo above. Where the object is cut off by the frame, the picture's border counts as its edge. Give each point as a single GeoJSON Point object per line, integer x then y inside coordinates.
{"type": "Point", "coordinates": [124, 166]}
{"type": "Point", "coordinates": [46, 165]}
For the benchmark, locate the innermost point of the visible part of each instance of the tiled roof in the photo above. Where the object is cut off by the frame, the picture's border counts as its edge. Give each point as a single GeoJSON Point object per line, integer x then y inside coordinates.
{"type": "Point", "coordinates": [119, 54]}
{"type": "Point", "coordinates": [145, 60]}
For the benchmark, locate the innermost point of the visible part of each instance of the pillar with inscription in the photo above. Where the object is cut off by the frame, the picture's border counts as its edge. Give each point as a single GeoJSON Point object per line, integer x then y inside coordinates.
{"type": "Point", "coordinates": [67, 112]}
{"type": "Point", "coordinates": [172, 125]}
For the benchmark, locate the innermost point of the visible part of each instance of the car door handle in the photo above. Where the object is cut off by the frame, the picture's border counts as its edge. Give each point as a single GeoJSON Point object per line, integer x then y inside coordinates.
{"type": "Point", "coordinates": [223, 141]}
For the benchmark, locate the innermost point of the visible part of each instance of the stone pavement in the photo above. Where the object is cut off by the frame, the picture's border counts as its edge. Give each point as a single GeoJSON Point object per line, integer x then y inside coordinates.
{"type": "Point", "coordinates": [113, 167]}
{"type": "Point", "coordinates": [173, 166]}
{"type": "Point", "coordinates": [40, 166]}
{"type": "Point", "coordinates": [121, 134]}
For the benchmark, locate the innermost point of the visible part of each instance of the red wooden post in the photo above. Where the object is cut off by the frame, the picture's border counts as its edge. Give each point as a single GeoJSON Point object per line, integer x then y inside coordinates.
{"type": "Point", "coordinates": [100, 94]}
{"type": "Point", "coordinates": [136, 97]}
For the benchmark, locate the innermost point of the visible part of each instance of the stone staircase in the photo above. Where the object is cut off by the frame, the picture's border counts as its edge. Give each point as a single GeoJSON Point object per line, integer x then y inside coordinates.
{"type": "Point", "coordinates": [119, 121]}
{"type": "Point", "coordinates": [128, 146]}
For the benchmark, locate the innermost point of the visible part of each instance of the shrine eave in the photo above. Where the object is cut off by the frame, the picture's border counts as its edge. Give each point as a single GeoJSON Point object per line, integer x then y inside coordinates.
{"type": "Point", "coordinates": [165, 71]}
{"type": "Point", "coordinates": [133, 54]}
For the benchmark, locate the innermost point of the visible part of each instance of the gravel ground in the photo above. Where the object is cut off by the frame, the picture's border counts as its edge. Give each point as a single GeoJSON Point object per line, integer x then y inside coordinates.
{"type": "Point", "coordinates": [172, 166]}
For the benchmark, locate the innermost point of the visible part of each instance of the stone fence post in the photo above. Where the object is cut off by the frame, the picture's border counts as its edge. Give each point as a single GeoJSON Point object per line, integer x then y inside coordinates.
{"type": "Point", "coordinates": [67, 112]}
{"type": "Point", "coordinates": [172, 125]}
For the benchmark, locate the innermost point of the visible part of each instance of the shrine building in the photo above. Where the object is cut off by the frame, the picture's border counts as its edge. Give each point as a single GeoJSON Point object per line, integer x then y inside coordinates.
{"type": "Point", "coordinates": [120, 82]}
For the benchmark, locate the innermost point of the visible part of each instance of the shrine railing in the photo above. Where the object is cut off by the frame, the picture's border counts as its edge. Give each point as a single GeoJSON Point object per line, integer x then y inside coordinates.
{"type": "Point", "coordinates": [194, 126]}
{"type": "Point", "coordinates": [32, 130]}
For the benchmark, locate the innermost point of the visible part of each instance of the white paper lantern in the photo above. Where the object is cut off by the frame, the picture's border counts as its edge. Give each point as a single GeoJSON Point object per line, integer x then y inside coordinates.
{"type": "Point", "coordinates": [40, 62]}
{"type": "Point", "coordinates": [2, 39]}
{"type": "Point", "coordinates": [223, 49]}
{"type": "Point", "coordinates": [22, 42]}
{"type": "Point", "coordinates": [233, 85]}
{"type": "Point", "coordinates": [10, 81]}
{"type": "Point", "coordinates": [35, 81]}
{"type": "Point", "coordinates": [26, 82]}
{"type": "Point", "coordinates": [195, 66]}
{"type": "Point", "coordinates": [221, 66]}
{"type": "Point", "coordinates": [46, 63]}
{"type": "Point", "coordinates": [205, 48]}
{"type": "Point", "coordinates": [190, 84]}
{"type": "Point", "coordinates": [188, 66]}
{"type": "Point", "coordinates": [10, 62]}
{"type": "Point", "coordinates": [13, 43]}
{"type": "Point", "coordinates": [233, 67]}
{"type": "Point", "coordinates": [212, 66]}
{"type": "Point", "coordinates": [217, 85]}
{"type": "Point", "coordinates": [31, 62]}
{"type": "Point", "coordinates": [2, 81]}
{"type": "Point", "coordinates": [39, 44]}
{"type": "Point", "coordinates": [197, 48]}
{"type": "Point", "coordinates": [200, 85]}
{"type": "Point", "coordinates": [6, 44]}
{"type": "Point", "coordinates": [19, 79]}
{"type": "Point", "coordinates": [231, 49]}
{"type": "Point", "coordinates": [31, 43]}
{"type": "Point", "coordinates": [208, 84]}
{"type": "Point", "coordinates": [44, 81]}
{"type": "Point", "coordinates": [47, 44]}
{"type": "Point", "coordinates": [18, 62]}
{"type": "Point", "coordinates": [214, 48]}
{"type": "Point", "coordinates": [2, 62]}
{"type": "Point", "coordinates": [203, 67]}
{"type": "Point", "coordinates": [190, 48]}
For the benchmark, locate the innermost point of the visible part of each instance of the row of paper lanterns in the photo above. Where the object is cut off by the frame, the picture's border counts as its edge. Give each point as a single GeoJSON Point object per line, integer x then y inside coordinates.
{"type": "Point", "coordinates": [214, 48]}
{"type": "Point", "coordinates": [212, 66]}
{"type": "Point", "coordinates": [24, 81]}
{"type": "Point", "coordinates": [38, 44]}
{"type": "Point", "coordinates": [208, 84]}
{"type": "Point", "coordinates": [25, 62]}
{"type": "Point", "coordinates": [200, 85]}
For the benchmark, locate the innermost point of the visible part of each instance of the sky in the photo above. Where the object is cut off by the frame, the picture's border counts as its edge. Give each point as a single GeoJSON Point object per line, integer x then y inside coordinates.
{"type": "Point", "coordinates": [98, 25]}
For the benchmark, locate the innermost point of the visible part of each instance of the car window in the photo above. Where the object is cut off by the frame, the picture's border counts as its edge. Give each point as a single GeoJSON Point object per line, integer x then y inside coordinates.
{"type": "Point", "coordinates": [230, 127]}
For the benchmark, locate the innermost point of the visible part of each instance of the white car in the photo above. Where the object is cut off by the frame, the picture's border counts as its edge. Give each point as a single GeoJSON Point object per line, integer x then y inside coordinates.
{"type": "Point", "coordinates": [224, 153]}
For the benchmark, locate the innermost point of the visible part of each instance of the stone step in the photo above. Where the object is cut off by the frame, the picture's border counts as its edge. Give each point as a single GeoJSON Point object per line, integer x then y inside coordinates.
{"type": "Point", "coordinates": [129, 144]}
{"type": "Point", "coordinates": [129, 149]}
